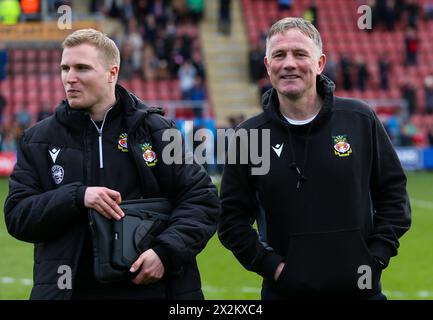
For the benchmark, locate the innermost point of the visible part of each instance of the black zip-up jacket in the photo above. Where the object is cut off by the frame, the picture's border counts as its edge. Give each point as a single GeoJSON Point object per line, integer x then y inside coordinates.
{"type": "Point", "coordinates": [346, 208]}
{"type": "Point", "coordinates": [45, 206]}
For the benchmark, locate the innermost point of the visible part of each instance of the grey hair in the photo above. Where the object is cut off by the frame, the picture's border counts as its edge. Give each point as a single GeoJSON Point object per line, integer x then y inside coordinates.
{"type": "Point", "coordinates": [302, 25]}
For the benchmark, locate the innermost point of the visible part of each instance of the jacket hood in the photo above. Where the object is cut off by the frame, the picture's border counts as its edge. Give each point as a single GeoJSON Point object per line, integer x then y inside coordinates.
{"type": "Point", "coordinates": [133, 109]}
{"type": "Point", "coordinates": [325, 89]}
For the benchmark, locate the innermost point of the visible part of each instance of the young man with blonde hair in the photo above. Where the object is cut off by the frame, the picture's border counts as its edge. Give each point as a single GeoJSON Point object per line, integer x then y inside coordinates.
{"type": "Point", "coordinates": [104, 146]}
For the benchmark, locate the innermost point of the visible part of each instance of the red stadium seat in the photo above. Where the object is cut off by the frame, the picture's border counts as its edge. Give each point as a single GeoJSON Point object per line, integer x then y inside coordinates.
{"type": "Point", "coordinates": [59, 95]}
{"type": "Point", "coordinates": [44, 55]}
{"type": "Point", "coordinates": [32, 82]}
{"type": "Point", "coordinates": [17, 82]}
{"type": "Point", "coordinates": [31, 55]}
{"type": "Point", "coordinates": [44, 68]}
{"type": "Point", "coordinates": [45, 96]}
{"type": "Point", "coordinates": [56, 56]}
{"type": "Point", "coordinates": [17, 55]}
{"type": "Point", "coordinates": [30, 67]}
{"type": "Point", "coordinates": [16, 67]}
{"type": "Point", "coordinates": [19, 98]}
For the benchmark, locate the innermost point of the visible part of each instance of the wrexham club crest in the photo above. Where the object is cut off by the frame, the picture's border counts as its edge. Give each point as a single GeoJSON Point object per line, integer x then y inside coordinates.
{"type": "Point", "coordinates": [149, 155]}
{"type": "Point", "coordinates": [341, 146]}
{"type": "Point", "coordinates": [123, 142]}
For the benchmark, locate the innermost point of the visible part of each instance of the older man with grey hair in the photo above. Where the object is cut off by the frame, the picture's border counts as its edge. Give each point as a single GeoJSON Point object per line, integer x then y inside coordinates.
{"type": "Point", "coordinates": [333, 205]}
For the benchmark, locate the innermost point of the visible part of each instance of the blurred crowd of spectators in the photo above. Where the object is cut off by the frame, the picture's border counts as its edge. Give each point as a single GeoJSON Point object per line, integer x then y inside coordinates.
{"type": "Point", "coordinates": [14, 11]}
{"type": "Point", "coordinates": [158, 40]}
{"type": "Point", "coordinates": [22, 119]}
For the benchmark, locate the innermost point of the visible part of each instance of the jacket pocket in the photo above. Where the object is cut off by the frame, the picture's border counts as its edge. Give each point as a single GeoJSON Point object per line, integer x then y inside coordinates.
{"type": "Point", "coordinates": [329, 264]}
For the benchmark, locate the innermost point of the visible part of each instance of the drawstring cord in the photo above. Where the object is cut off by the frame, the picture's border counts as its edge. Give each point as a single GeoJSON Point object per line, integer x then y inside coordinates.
{"type": "Point", "coordinates": [300, 172]}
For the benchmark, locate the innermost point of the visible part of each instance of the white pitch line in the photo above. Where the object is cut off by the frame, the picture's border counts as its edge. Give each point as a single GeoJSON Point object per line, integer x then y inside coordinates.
{"type": "Point", "coordinates": [422, 204]}
{"type": "Point", "coordinates": [225, 289]}
{"type": "Point", "coordinates": [250, 290]}
{"type": "Point", "coordinates": [7, 280]}
{"type": "Point", "coordinates": [10, 280]}
{"type": "Point", "coordinates": [26, 282]}
{"type": "Point", "coordinates": [213, 289]}
{"type": "Point", "coordinates": [423, 294]}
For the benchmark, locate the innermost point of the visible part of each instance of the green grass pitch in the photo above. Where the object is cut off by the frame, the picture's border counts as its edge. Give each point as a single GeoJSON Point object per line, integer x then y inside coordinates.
{"type": "Point", "coordinates": [409, 275]}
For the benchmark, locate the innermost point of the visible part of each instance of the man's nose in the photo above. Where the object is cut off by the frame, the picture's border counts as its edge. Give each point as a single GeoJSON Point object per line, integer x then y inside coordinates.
{"type": "Point", "coordinates": [71, 76]}
{"type": "Point", "coordinates": [289, 62]}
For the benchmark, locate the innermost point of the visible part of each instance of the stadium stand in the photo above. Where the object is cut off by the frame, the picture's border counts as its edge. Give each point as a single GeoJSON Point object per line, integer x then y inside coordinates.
{"type": "Point", "coordinates": [169, 35]}
{"type": "Point", "coordinates": [33, 75]}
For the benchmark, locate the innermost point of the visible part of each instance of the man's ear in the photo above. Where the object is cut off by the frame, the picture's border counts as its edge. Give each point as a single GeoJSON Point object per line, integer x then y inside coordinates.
{"type": "Point", "coordinates": [322, 62]}
{"type": "Point", "coordinates": [114, 72]}
{"type": "Point", "coordinates": [266, 62]}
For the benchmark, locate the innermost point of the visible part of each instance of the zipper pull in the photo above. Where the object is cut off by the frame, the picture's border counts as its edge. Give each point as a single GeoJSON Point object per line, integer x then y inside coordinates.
{"type": "Point", "coordinates": [101, 161]}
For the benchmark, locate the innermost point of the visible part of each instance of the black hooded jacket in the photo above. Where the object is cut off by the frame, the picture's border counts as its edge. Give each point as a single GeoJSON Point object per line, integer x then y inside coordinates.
{"type": "Point", "coordinates": [59, 157]}
{"type": "Point", "coordinates": [346, 207]}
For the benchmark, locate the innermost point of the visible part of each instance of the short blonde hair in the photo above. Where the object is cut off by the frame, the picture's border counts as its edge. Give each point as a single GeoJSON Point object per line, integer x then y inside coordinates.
{"type": "Point", "coordinates": [99, 40]}
{"type": "Point", "coordinates": [302, 25]}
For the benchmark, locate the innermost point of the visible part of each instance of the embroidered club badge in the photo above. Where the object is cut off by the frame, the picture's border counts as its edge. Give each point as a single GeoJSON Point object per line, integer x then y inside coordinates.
{"type": "Point", "coordinates": [57, 173]}
{"type": "Point", "coordinates": [149, 155]}
{"type": "Point", "coordinates": [342, 147]}
{"type": "Point", "coordinates": [123, 142]}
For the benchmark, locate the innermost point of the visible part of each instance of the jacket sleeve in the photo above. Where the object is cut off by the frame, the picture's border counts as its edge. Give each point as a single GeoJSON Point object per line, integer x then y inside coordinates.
{"type": "Point", "coordinates": [194, 217]}
{"type": "Point", "coordinates": [391, 207]}
{"type": "Point", "coordinates": [235, 229]}
{"type": "Point", "coordinates": [35, 215]}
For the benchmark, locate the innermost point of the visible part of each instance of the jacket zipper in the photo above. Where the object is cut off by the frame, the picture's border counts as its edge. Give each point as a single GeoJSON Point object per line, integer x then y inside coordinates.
{"type": "Point", "coordinates": [101, 156]}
